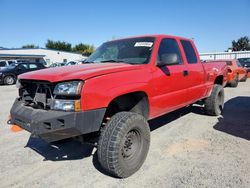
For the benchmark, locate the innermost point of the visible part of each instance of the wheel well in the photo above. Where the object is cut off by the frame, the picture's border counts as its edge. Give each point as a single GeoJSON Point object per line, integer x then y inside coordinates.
{"type": "Point", "coordinates": [134, 102]}
{"type": "Point", "coordinates": [219, 80]}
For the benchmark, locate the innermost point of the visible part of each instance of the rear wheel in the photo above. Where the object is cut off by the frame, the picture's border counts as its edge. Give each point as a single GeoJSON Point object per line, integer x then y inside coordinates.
{"type": "Point", "coordinates": [235, 82]}
{"type": "Point", "coordinates": [244, 78]}
{"type": "Point", "coordinates": [214, 104]}
{"type": "Point", "coordinates": [9, 80]}
{"type": "Point", "coordinates": [123, 144]}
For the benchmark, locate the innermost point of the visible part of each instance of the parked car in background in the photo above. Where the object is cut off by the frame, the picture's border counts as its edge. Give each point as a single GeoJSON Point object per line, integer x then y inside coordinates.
{"type": "Point", "coordinates": [57, 64]}
{"type": "Point", "coordinates": [8, 75]}
{"type": "Point", "coordinates": [245, 62]}
{"type": "Point", "coordinates": [6, 63]}
{"type": "Point", "coordinates": [236, 72]}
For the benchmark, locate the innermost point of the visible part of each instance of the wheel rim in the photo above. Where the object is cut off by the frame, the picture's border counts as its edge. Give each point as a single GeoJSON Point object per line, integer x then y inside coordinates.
{"type": "Point", "coordinates": [131, 147]}
{"type": "Point", "coordinates": [9, 80]}
{"type": "Point", "coordinates": [220, 101]}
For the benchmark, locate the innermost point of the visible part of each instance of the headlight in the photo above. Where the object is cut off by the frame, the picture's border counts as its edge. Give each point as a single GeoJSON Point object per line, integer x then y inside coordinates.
{"type": "Point", "coordinates": [68, 88]}
{"type": "Point", "coordinates": [66, 105]}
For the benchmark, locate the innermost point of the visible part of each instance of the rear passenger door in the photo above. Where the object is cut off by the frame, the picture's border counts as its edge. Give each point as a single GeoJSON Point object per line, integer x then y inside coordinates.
{"type": "Point", "coordinates": [170, 81]}
{"type": "Point", "coordinates": [196, 74]}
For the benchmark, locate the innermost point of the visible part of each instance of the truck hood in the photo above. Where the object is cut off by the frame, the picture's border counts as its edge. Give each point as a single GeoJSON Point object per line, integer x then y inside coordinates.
{"type": "Point", "coordinates": [77, 72]}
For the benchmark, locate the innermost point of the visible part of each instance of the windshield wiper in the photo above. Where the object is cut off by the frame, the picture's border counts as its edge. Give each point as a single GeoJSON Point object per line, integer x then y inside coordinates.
{"type": "Point", "coordinates": [85, 62]}
{"type": "Point", "coordinates": [113, 61]}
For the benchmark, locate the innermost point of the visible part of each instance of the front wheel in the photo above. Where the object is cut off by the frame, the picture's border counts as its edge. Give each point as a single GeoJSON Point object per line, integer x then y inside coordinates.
{"type": "Point", "coordinates": [9, 80]}
{"type": "Point", "coordinates": [214, 104]}
{"type": "Point", "coordinates": [235, 82]}
{"type": "Point", "coordinates": [244, 78]}
{"type": "Point", "coordinates": [124, 144]}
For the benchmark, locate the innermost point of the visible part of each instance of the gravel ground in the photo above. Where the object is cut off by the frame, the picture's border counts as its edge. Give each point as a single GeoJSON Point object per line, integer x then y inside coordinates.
{"type": "Point", "coordinates": [188, 149]}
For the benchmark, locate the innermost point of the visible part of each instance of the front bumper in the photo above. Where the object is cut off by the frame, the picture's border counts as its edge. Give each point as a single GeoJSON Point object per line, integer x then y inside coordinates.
{"type": "Point", "coordinates": [55, 125]}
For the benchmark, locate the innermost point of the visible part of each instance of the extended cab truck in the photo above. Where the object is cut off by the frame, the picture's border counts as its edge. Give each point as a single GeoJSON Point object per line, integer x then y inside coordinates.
{"type": "Point", "coordinates": [122, 84]}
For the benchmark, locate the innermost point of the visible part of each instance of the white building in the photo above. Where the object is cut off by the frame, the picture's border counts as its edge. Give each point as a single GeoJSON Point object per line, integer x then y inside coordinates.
{"type": "Point", "coordinates": [40, 55]}
{"type": "Point", "coordinates": [224, 55]}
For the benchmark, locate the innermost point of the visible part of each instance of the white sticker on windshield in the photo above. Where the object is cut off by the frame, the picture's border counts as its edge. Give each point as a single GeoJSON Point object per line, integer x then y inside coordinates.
{"type": "Point", "coordinates": [143, 44]}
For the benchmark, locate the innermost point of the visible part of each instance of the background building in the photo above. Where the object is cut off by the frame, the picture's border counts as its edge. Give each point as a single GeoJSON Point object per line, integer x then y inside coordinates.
{"type": "Point", "coordinates": [40, 55]}
{"type": "Point", "coordinates": [224, 55]}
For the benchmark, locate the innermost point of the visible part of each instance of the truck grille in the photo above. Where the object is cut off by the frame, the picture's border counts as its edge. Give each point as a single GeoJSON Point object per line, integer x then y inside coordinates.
{"type": "Point", "coordinates": [37, 94]}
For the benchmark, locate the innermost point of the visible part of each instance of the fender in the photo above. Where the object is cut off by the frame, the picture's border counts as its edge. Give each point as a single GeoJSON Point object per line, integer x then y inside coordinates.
{"type": "Point", "coordinates": [103, 100]}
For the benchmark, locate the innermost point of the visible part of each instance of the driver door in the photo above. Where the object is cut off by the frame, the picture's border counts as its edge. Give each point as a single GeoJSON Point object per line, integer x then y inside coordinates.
{"type": "Point", "coordinates": [170, 81]}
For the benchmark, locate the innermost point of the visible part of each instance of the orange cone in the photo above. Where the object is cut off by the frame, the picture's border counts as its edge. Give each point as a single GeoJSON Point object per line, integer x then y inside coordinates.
{"type": "Point", "coordinates": [15, 128]}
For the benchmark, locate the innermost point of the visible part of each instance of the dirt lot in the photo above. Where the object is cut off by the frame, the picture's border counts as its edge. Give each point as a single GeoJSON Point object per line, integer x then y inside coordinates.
{"type": "Point", "coordinates": [188, 149]}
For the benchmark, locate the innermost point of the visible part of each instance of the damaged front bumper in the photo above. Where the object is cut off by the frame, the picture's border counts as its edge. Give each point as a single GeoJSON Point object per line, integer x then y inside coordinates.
{"type": "Point", "coordinates": [51, 125]}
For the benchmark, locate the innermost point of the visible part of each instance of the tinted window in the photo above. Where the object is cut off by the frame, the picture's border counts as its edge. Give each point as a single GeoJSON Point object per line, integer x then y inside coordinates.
{"type": "Point", "coordinates": [2, 64]}
{"type": "Point", "coordinates": [33, 66]}
{"type": "Point", "coordinates": [169, 46]}
{"type": "Point", "coordinates": [23, 66]}
{"type": "Point", "coordinates": [189, 51]}
{"type": "Point", "coordinates": [229, 63]}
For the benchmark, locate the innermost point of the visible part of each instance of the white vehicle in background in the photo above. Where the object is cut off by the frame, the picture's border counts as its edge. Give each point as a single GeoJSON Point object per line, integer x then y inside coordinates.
{"type": "Point", "coordinates": [6, 63]}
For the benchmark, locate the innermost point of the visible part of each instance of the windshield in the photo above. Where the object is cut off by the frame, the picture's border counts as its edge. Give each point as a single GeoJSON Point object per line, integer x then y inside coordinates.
{"type": "Point", "coordinates": [132, 51]}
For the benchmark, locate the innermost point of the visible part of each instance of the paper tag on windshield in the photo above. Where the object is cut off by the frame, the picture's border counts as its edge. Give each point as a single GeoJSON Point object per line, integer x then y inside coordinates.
{"type": "Point", "coordinates": [143, 44]}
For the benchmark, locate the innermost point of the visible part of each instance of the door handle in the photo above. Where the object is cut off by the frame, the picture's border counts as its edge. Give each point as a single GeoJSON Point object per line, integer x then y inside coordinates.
{"type": "Point", "coordinates": [185, 73]}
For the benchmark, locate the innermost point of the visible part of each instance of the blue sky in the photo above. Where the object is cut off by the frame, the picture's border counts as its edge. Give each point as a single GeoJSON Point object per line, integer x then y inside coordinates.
{"type": "Point", "coordinates": [212, 23]}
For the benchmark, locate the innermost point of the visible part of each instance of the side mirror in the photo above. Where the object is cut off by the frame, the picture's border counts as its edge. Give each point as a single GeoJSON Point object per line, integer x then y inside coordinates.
{"type": "Point", "coordinates": [168, 59]}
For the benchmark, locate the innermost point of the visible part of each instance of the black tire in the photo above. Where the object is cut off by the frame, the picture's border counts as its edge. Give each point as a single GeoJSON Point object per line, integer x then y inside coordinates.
{"type": "Point", "coordinates": [214, 104]}
{"type": "Point", "coordinates": [244, 78]}
{"type": "Point", "coordinates": [235, 82]}
{"type": "Point", "coordinates": [9, 80]}
{"type": "Point", "coordinates": [124, 144]}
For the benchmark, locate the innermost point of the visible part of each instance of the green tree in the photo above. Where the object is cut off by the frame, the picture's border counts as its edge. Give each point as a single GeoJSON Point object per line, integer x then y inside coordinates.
{"type": "Point", "coordinates": [29, 46]}
{"type": "Point", "coordinates": [84, 49]}
{"type": "Point", "coordinates": [58, 45]}
{"type": "Point", "coordinates": [241, 44]}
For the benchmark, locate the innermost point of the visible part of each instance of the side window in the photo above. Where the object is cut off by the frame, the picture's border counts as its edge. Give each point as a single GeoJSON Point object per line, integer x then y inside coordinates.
{"type": "Point", "coordinates": [23, 66]}
{"type": "Point", "coordinates": [189, 51]}
{"type": "Point", "coordinates": [169, 46]}
{"type": "Point", "coordinates": [33, 66]}
{"type": "Point", "coordinates": [2, 63]}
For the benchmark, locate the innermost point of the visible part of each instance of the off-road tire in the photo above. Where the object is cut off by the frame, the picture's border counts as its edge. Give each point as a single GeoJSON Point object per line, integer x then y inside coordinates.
{"type": "Point", "coordinates": [244, 78]}
{"type": "Point", "coordinates": [235, 82]}
{"type": "Point", "coordinates": [214, 104]}
{"type": "Point", "coordinates": [9, 80]}
{"type": "Point", "coordinates": [123, 144]}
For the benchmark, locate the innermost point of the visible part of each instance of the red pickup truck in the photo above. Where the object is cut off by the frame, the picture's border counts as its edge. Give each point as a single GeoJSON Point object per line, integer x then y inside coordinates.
{"type": "Point", "coordinates": [111, 97]}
